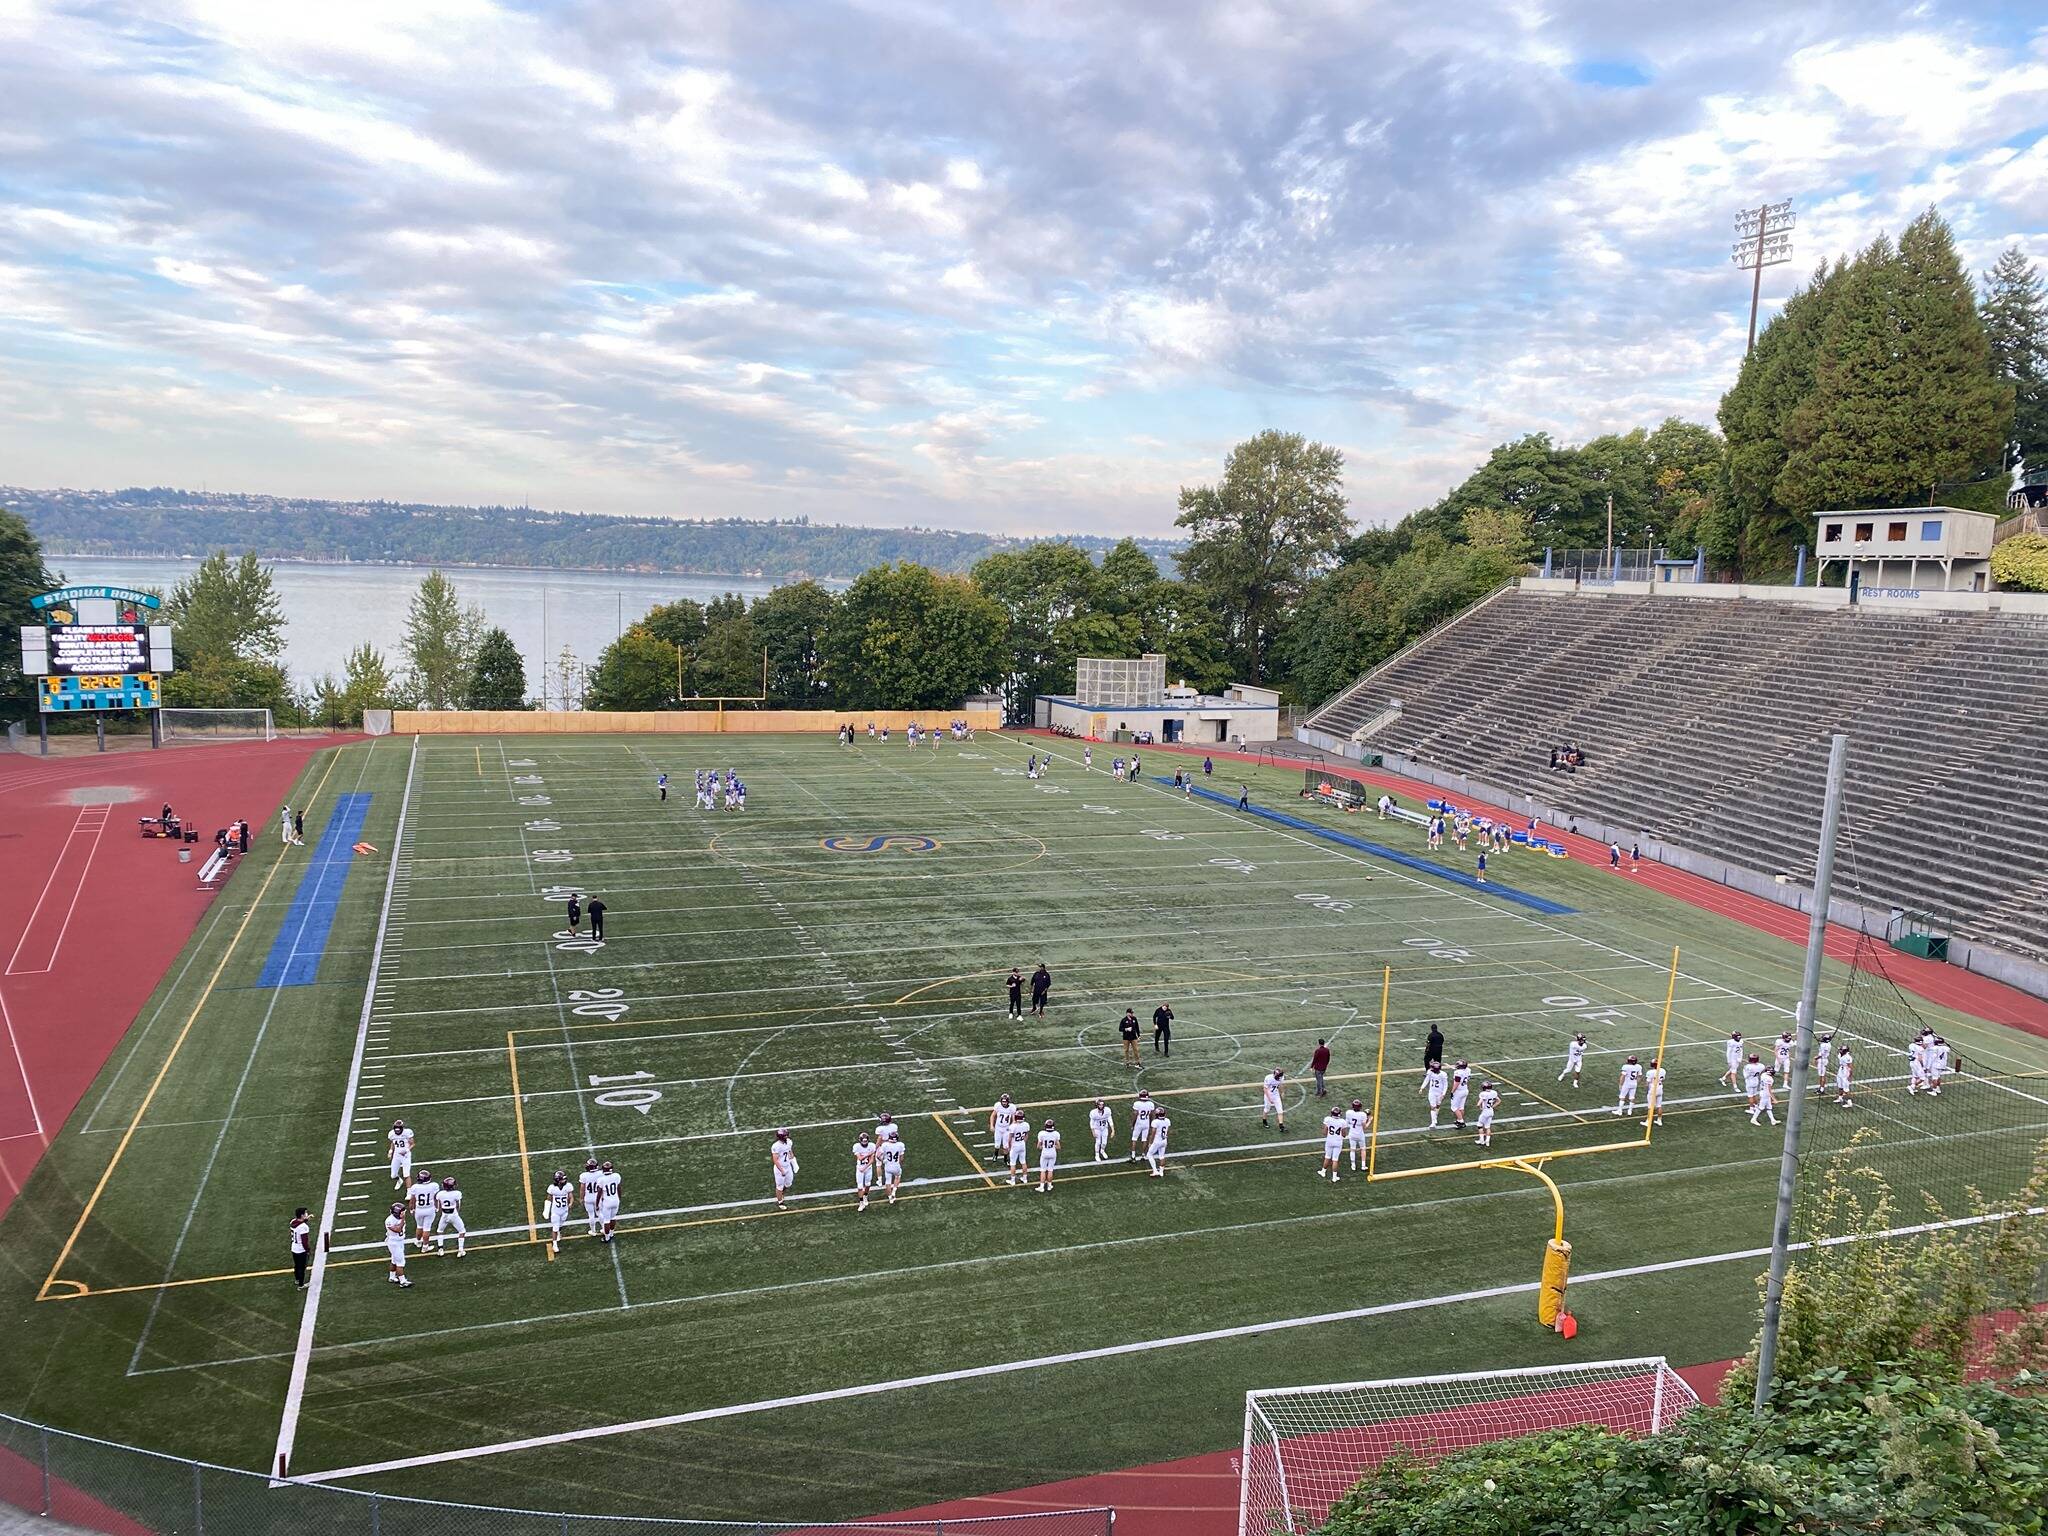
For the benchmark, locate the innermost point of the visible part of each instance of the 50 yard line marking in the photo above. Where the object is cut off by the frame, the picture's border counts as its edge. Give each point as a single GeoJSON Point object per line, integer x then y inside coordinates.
{"type": "Point", "coordinates": [120, 1148]}
{"type": "Point", "coordinates": [302, 1353]}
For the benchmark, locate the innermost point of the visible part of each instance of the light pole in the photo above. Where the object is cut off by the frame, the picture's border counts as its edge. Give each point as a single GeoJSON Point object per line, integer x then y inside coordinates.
{"type": "Point", "coordinates": [1763, 238]}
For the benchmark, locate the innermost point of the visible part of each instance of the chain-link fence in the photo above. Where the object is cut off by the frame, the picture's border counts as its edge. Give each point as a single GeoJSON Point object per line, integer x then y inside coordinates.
{"type": "Point", "coordinates": [118, 1490]}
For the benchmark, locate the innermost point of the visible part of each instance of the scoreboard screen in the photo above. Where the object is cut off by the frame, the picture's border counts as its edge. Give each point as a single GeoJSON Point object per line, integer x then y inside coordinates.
{"type": "Point", "coordinates": [98, 650]}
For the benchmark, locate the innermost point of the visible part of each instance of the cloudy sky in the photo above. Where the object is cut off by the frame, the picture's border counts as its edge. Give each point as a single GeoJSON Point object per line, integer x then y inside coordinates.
{"type": "Point", "coordinates": [1014, 266]}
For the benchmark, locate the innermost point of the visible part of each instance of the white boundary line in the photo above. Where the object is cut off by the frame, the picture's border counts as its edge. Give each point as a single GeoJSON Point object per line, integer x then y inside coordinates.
{"type": "Point", "coordinates": [302, 1353]}
{"type": "Point", "coordinates": [1106, 1352]}
{"type": "Point", "coordinates": [77, 888]}
{"type": "Point", "coordinates": [27, 1087]}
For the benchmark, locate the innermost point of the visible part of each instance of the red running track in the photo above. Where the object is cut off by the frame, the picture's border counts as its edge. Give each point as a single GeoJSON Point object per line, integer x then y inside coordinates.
{"type": "Point", "coordinates": [1195, 1496]}
{"type": "Point", "coordinates": [92, 914]}
{"type": "Point", "coordinates": [1936, 980]}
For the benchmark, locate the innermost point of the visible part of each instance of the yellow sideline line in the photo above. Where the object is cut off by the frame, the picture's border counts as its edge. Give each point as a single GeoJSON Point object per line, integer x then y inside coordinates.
{"type": "Point", "coordinates": [972, 1161]}
{"type": "Point", "coordinates": [163, 1071]}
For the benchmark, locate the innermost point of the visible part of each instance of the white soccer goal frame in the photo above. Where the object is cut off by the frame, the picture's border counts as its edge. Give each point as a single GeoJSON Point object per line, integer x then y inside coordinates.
{"type": "Point", "coordinates": [252, 725]}
{"type": "Point", "coordinates": [1670, 1399]}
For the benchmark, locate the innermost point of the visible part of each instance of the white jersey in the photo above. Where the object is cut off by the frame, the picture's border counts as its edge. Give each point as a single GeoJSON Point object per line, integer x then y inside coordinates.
{"type": "Point", "coordinates": [556, 1198]}
{"type": "Point", "coordinates": [394, 1236]}
{"type": "Point", "coordinates": [1734, 1051]}
{"type": "Point", "coordinates": [608, 1192]}
{"type": "Point", "coordinates": [1631, 1075]}
{"type": "Point", "coordinates": [1574, 1055]}
{"type": "Point", "coordinates": [1753, 1074]}
{"type": "Point", "coordinates": [423, 1197]}
{"type": "Point", "coordinates": [1781, 1055]}
{"type": "Point", "coordinates": [1489, 1101]}
{"type": "Point", "coordinates": [1001, 1118]}
{"type": "Point", "coordinates": [449, 1203]}
{"type": "Point", "coordinates": [589, 1183]}
{"type": "Point", "coordinates": [1160, 1126]}
{"type": "Point", "coordinates": [1937, 1058]}
{"type": "Point", "coordinates": [1844, 1065]}
{"type": "Point", "coordinates": [1048, 1148]}
{"type": "Point", "coordinates": [1272, 1088]}
{"type": "Point", "coordinates": [401, 1142]}
{"type": "Point", "coordinates": [1355, 1123]}
{"type": "Point", "coordinates": [1461, 1086]}
{"type": "Point", "coordinates": [892, 1160]}
{"type": "Point", "coordinates": [1142, 1111]}
{"type": "Point", "coordinates": [1101, 1122]}
{"type": "Point", "coordinates": [1821, 1053]}
{"type": "Point", "coordinates": [782, 1153]}
{"type": "Point", "coordinates": [1918, 1050]}
{"type": "Point", "coordinates": [1435, 1083]}
{"type": "Point", "coordinates": [1655, 1079]}
{"type": "Point", "coordinates": [1333, 1134]}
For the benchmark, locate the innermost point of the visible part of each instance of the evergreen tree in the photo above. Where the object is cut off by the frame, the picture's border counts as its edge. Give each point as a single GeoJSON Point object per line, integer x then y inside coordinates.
{"type": "Point", "coordinates": [22, 576]}
{"type": "Point", "coordinates": [1755, 416]}
{"type": "Point", "coordinates": [226, 610]}
{"type": "Point", "coordinates": [2015, 315]}
{"type": "Point", "coordinates": [1904, 400]}
{"type": "Point", "coordinates": [441, 640]}
{"type": "Point", "coordinates": [497, 676]}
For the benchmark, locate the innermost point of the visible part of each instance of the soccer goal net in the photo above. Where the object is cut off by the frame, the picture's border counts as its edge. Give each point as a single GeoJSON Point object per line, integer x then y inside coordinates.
{"type": "Point", "coordinates": [218, 725]}
{"type": "Point", "coordinates": [1306, 1447]}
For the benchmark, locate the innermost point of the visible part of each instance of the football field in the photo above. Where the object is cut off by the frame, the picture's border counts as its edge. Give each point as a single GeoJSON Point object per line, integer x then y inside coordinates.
{"type": "Point", "coordinates": [836, 952]}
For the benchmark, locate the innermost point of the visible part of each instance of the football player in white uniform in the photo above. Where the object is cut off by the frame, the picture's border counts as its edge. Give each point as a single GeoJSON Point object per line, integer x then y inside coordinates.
{"type": "Point", "coordinates": [1916, 1073]}
{"type": "Point", "coordinates": [448, 1205]}
{"type": "Point", "coordinates": [1823, 1048]}
{"type": "Point", "coordinates": [1333, 1145]}
{"type": "Point", "coordinates": [1357, 1121]}
{"type": "Point", "coordinates": [1020, 1150]}
{"type": "Point", "coordinates": [863, 1168]}
{"type": "Point", "coordinates": [394, 1242]}
{"type": "Point", "coordinates": [1142, 1111]}
{"type": "Point", "coordinates": [1844, 1070]}
{"type": "Point", "coordinates": [1937, 1064]}
{"type": "Point", "coordinates": [1435, 1084]}
{"type": "Point", "coordinates": [401, 1138]}
{"type": "Point", "coordinates": [893, 1153]}
{"type": "Point", "coordinates": [1781, 1054]}
{"type": "Point", "coordinates": [1461, 1089]}
{"type": "Point", "coordinates": [424, 1187]}
{"type": "Point", "coordinates": [556, 1199]}
{"type": "Point", "coordinates": [1752, 1074]}
{"type": "Point", "coordinates": [1631, 1079]}
{"type": "Point", "coordinates": [1653, 1088]}
{"type": "Point", "coordinates": [1766, 1098]}
{"type": "Point", "coordinates": [782, 1162]}
{"type": "Point", "coordinates": [1155, 1142]}
{"type": "Point", "coordinates": [1734, 1077]}
{"type": "Point", "coordinates": [608, 1186]}
{"type": "Point", "coordinates": [1270, 1106]}
{"type": "Point", "coordinates": [1048, 1156]}
{"type": "Point", "coordinates": [1574, 1059]}
{"type": "Point", "coordinates": [1489, 1101]}
{"type": "Point", "coordinates": [1000, 1119]}
{"type": "Point", "coordinates": [1101, 1126]}
{"type": "Point", "coordinates": [591, 1184]}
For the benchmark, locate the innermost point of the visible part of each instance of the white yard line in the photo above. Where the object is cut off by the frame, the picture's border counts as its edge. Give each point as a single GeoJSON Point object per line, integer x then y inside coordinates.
{"type": "Point", "coordinates": [1080, 1356]}
{"type": "Point", "coordinates": [309, 1317]}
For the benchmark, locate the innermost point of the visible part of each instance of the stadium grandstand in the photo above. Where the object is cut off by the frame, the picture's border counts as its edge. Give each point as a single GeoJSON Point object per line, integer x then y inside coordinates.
{"type": "Point", "coordinates": [1700, 722]}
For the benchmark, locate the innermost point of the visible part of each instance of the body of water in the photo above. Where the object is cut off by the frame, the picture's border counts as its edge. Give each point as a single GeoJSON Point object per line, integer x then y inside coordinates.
{"type": "Point", "coordinates": [329, 610]}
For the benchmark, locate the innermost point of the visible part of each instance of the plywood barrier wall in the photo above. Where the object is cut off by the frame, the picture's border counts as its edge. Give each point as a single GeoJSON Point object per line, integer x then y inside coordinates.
{"type": "Point", "coordinates": [525, 722]}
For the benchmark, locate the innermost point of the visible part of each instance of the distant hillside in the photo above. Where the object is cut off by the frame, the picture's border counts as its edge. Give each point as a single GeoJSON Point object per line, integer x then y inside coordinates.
{"type": "Point", "coordinates": [159, 521]}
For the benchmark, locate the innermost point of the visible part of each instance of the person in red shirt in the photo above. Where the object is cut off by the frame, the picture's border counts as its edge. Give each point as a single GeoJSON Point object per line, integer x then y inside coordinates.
{"type": "Point", "coordinates": [1319, 1063]}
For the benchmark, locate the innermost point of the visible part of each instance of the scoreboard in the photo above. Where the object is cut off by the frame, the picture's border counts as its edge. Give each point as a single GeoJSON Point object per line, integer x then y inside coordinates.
{"type": "Point", "coordinates": [99, 652]}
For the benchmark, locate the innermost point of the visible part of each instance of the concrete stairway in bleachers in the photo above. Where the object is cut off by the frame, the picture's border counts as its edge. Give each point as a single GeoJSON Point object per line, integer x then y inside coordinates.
{"type": "Point", "coordinates": [1705, 721]}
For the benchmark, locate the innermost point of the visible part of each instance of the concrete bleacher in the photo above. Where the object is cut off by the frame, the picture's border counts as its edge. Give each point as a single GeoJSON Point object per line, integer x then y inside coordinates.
{"type": "Point", "coordinates": [1705, 722]}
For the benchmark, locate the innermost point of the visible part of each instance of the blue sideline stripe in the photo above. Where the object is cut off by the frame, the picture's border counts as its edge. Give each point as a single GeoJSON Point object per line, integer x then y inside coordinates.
{"type": "Point", "coordinates": [1541, 904]}
{"type": "Point", "coordinates": [294, 959]}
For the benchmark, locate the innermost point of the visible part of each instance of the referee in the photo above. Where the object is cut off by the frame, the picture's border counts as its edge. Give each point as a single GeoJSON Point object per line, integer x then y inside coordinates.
{"type": "Point", "coordinates": [302, 1245]}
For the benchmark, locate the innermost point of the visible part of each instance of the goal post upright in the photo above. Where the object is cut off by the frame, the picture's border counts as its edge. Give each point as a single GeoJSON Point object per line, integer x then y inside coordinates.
{"type": "Point", "coordinates": [1663, 1034]}
{"type": "Point", "coordinates": [1379, 1071]}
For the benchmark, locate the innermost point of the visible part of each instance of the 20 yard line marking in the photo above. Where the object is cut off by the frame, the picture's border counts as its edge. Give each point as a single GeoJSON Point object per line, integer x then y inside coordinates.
{"type": "Point", "coordinates": [302, 1353]}
{"type": "Point", "coordinates": [972, 1161]}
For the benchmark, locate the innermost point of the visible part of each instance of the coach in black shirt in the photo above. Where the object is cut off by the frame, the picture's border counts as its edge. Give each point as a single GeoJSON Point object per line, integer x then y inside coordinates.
{"type": "Point", "coordinates": [1041, 988]}
{"type": "Point", "coordinates": [1434, 1051]}
{"type": "Point", "coordinates": [1016, 988]}
{"type": "Point", "coordinates": [1162, 1030]}
{"type": "Point", "coordinates": [1127, 1026]}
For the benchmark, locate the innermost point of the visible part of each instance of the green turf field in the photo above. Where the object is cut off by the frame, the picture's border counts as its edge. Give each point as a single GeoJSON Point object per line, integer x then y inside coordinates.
{"type": "Point", "coordinates": [755, 977]}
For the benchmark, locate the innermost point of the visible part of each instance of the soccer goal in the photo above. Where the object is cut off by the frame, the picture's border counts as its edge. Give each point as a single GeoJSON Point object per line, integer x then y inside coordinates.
{"type": "Point", "coordinates": [218, 725]}
{"type": "Point", "coordinates": [1306, 1447]}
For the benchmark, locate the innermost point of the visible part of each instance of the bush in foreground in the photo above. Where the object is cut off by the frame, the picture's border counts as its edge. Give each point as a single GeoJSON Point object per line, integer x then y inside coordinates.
{"type": "Point", "coordinates": [1890, 1452]}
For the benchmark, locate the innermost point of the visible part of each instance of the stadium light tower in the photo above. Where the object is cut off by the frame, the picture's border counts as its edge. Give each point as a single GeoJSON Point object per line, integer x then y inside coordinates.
{"type": "Point", "coordinates": [1763, 238]}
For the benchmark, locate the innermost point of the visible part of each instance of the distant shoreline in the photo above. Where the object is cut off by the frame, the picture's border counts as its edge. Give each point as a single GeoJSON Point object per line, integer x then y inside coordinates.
{"type": "Point", "coordinates": [59, 555]}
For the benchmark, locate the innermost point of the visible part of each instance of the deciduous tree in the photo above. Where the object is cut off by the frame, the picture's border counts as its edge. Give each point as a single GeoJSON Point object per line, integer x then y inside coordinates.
{"type": "Point", "coordinates": [905, 637]}
{"type": "Point", "coordinates": [1262, 533]}
{"type": "Point", "coordinates": [636, 671]}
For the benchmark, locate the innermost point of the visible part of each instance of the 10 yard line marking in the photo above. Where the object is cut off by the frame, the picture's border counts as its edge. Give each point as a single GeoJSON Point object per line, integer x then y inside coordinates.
{"type": "Point", "coordinates": [302, 1353]}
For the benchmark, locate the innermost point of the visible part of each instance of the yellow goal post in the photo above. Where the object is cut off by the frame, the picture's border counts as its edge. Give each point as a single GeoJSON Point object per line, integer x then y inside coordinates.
{"type": "Point", "coordinates": [1558, 1250]}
